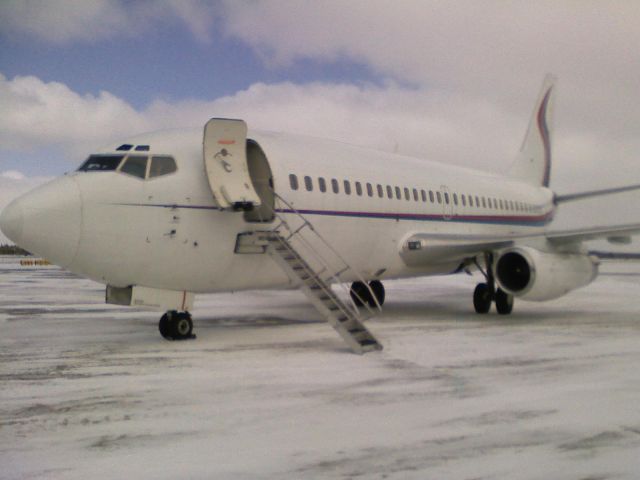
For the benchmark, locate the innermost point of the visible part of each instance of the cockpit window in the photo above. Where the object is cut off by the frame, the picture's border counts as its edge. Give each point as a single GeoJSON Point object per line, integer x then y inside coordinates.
{"type": "Point", "coordinates": [162, 165]}
{"type": "Point", "coordinates": [101, 163]}
{"type": "Point", "coordinates": [135, 165]}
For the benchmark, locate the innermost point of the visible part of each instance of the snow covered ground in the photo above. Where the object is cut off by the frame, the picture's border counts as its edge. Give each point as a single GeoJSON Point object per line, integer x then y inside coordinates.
{"type": "Point", "coordinates": [269, 391]}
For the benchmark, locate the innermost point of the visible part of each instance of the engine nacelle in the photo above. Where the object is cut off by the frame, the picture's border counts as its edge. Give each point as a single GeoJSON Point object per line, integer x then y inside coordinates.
{"type": "Point", "coordinates": [530, 274]}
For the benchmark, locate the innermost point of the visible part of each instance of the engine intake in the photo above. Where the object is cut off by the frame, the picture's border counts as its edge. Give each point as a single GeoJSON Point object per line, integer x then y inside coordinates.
{"type": "Point", "coordinates": [530, 274]}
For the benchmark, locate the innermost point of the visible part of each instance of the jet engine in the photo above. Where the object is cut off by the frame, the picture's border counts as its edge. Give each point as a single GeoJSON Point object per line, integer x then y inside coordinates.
{"type": "Point", "coordinates": [530, 274]}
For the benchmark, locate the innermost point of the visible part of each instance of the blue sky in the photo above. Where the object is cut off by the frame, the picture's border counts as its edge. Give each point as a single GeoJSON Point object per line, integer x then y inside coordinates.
{"type": "Point", "coordinates": [168, 63]}
{"type": "Point", "coordinates": [448, 81]}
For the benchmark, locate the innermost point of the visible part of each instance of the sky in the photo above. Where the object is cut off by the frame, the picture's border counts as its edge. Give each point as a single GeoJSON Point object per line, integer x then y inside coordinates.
{"type": "Point", "coordinates": [453, 81]}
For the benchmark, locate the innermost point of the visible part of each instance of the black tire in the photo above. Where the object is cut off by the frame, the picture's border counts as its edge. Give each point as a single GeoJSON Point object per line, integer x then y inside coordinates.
{"type": "Point", "coordinates": [482, 298]}
{"type": "Point", "coordinates": [164, 325]}
{"type": "Point", "coordinates": [181, 326]}
{"type": "Point", "coordinates": [504, 302]}
{"type": "Point", "coordinates": [359, 294]}
{"type": "Point", "coordinates": [378, 291]}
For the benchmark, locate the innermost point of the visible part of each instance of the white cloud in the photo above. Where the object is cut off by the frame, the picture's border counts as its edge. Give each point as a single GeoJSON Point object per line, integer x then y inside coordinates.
{"type": "Point", "coordinates": [418, 122]}
{"type": "Point", "coordinates": [13, 175]}
{"type": "Point", "coordinates": [38, 114]}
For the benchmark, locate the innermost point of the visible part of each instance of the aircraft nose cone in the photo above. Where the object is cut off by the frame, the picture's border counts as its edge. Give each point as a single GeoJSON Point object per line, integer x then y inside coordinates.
{"type": "Point", "coordinates": [11, 220]}
{"type": "Point", "coordinates": [46, 221]}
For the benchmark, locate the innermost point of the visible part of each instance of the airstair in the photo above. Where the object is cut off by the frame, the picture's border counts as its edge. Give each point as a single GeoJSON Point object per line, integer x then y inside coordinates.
{"type": "Point", "coordinates": [240, 180]}
{"type": "Point", "coordinates": [296, 249]}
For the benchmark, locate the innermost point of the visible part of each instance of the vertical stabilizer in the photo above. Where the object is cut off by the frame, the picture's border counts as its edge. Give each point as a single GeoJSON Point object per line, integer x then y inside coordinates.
{"type": "Point", "coordinates": [533, 163]}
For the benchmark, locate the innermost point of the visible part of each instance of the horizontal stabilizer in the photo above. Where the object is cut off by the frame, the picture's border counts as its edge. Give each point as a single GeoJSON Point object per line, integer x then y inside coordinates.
{"type": "Point", "coordinates": [594, 193]}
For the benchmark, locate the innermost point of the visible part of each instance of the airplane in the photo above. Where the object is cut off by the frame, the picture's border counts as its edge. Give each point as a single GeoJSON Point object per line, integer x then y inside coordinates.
{"type": "Point", "coordinates": [167, 215]}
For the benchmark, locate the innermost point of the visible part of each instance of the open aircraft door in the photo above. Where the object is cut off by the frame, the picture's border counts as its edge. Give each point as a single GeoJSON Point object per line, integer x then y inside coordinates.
{"type": "Point", "coordinates": [225, 161]}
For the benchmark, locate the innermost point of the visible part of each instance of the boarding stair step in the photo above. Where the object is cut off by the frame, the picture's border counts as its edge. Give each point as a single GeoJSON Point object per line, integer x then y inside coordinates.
{"type": "Point", "coordinates": [345, 320]}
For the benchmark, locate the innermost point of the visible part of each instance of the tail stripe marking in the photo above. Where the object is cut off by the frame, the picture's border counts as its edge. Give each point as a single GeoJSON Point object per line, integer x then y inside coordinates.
{"type": "Point", "coordinates": [544, 133]}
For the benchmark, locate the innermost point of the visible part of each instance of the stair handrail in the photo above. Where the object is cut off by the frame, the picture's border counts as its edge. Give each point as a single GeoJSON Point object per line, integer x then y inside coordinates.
{"type": "Point", "coordinates": [319, 256]}
{"type": "Point", "coordinates": [323, 286]}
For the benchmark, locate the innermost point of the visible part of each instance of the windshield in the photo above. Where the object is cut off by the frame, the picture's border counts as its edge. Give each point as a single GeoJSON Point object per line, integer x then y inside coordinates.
{"type": "Point", "coordinates": [101, 163]}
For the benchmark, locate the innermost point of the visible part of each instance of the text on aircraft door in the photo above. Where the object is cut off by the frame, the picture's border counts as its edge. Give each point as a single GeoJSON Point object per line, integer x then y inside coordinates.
{"type": "Point", "coordinates": [225, 161]}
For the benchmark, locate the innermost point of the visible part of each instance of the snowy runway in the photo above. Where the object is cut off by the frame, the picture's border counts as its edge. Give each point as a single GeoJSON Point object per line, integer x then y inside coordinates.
{"type": "Point", "coordinates": [269, 391]}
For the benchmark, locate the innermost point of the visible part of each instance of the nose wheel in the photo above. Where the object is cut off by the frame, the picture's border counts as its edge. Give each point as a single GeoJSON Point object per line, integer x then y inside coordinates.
{"type": "Point", "coordinates": [176, 326]}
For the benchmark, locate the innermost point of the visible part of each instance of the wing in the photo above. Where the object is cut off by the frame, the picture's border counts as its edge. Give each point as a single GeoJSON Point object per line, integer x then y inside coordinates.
{"type": "Point", "coordinates": [421, 249]}
{"type": "Point", "coordinates": [615, 234]}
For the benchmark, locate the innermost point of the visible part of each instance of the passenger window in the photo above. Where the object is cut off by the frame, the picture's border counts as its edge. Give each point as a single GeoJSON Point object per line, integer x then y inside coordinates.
{"type": "Point", "coordinates": [389, 191]}
{"type": "Point", "coordinates": [446, 198]}
{"type": "Point", "coordinates": [369, 189]}
{"type": "Point", "coordinates": [477, 201]}
{"type": "Point", "coordinates": [423, 194]}
{"type": "Point", "coordinates": [407, 195]}
{"type": "Point", "coordinates": [455, 199]}
{"type": "Point", "coordinates": [380, 191]}
{"type": "Point", "coordinates": [431, 199]}
{"type": "Point", "coordinates": [463, 199]}
{"type": "Point", "coordinates": [335, 186]}
{"type": "Point", "coordinates": [347, 187]}
{"type": "Point", "coordinates": [398, 193]}
{"type": "Point", "coordinates": [470, 201]}
{"type": "Point", "coordinates": [308, 183]}
{"type": "Point", "coordinates": [484, 203]}
{"type": "Point", "coordinates": [135, 165]}
{"type": "Point", "coordinates": [322, 185]}
{"type": "Point", "coordinates": [439, 197]}
{"type": "Point", "coordinates": [101, 163]}
{"type": "Point", "coordinates": [359, 188]}
{"type": "Point", "coordinates": [162, 166]}
{"type": "Point", "coordinates": [293, 181]}
{"type": "Point", "coordinates": [415, 195]}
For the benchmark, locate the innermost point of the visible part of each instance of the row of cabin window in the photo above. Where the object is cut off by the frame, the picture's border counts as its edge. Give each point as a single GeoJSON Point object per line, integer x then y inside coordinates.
{"type": "Point", "coordinates": [135, 165]}
{"type": "Point", "coordinates": [411, 194]}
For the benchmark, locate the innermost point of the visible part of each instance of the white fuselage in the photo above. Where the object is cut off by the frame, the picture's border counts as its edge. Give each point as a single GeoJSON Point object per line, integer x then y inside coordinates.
{"type": "Point", "coordinates": [169, 233]}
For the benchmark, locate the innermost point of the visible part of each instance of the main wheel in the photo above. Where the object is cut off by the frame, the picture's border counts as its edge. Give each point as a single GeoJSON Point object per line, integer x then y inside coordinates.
{"type": "Point", "coordinates": [378, 291]}
{"type": "Point", "coordinates": [504, 302]}
{"type": "Point", "coordinates": [482, 298]}
{"type": "Point", "coordinates": [360, 294]}
{"type": "Point", "coordinates": [182, 326]}
{"type": "Point", "coordinates": [165, 324]}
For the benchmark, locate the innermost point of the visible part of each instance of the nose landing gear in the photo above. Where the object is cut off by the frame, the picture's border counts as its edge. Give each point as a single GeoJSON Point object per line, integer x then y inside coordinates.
{"type": "Point", "coordinates": [176, 326]}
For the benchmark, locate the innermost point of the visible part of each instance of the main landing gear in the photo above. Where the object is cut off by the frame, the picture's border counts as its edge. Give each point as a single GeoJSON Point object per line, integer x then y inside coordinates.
{"type": "Point", "coordinates": [361, 294]}
{"type": "Point", "coordinates": [176, 326]}
{"type": "Point", "coordinates": [486, 293]}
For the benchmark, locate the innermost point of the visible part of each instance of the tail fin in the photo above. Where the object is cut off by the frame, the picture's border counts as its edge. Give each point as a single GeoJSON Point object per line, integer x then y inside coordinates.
{"type": "Point", "coordinates": [533, 163]}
